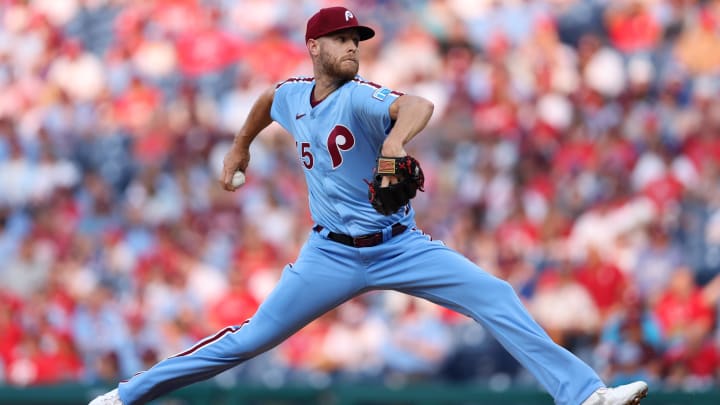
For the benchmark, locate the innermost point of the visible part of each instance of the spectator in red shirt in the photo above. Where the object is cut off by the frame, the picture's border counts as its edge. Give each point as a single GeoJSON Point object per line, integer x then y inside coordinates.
{"type": "Point", "coordinates": [703, 147]}
{"type": "Point", "coordinates": [11, 332]}
{"type": "Point", "coordinates": [604, 281]}
{"type": "Point", "coordinates": [497, 115]}
{"type": "Point", "coordinates": [631, 27]}
{"type": "Point", "coordinates": [564, 307]}
{"type": "Point", "coordinates": [684, 306]}
{"type": "Point", "coordinates": [273, 57]}
{"type": "Point", "coordinates": [254, 254]}
{"type": "Point", "coordinates": [135, 108]}
{"type": "Point", "coordinates": [43, 357]}
{"type": "Point", "coordinates": [207, 48]}
{"type": "Point", "coordinates": [576, 154]}
{"type": "Point", "coordinates": [235, 306]}
{"type": "Point", "coordinates": [694, 363]}
{"type": "Point", "coordinates": [303, 353]}
{"type": "Point", "coordinates": [518, 232]}
{"type": "Point", "coordinates": [664, 191]}
{"type": "Point", "coordinates": [66, 360]}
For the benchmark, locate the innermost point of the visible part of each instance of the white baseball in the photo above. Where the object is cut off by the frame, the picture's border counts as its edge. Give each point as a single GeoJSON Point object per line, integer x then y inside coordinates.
{"type": "Point", "coordinates": [238, 179]}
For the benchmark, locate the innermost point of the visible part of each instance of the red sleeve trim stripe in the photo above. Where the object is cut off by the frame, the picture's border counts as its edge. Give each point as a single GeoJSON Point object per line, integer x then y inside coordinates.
{"type": "Point", "coordinates": [376, 86]}
{"type": "Point", "coordinates": [295, 80]}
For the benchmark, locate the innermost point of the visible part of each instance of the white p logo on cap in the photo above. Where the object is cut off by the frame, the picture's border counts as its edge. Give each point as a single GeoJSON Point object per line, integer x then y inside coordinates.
{"type": "Point", "coordinates": [348, 15]}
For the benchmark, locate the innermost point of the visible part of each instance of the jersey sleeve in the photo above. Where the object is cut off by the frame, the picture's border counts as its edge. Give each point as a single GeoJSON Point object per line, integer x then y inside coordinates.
{"type": "Point", "coordinates": [279, 111]}
{"type": "Point", "coordinates": [372, 106]}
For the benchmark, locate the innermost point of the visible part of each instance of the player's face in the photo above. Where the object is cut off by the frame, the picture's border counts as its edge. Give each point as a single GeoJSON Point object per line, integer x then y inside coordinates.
{"type": "Point", "coordinates": [339, 55]}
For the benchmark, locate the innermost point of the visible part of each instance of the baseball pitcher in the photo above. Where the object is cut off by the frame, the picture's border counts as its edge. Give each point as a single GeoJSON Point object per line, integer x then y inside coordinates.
{"type": "Point", "coordinates": [350, 135]}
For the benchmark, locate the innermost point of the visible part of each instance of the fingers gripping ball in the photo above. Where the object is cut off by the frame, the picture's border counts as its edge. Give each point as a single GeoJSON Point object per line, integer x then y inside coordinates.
{"type": "Point", "coordinates": [390, 198]}
{"type": "Point", "coordinates": [238, 179]}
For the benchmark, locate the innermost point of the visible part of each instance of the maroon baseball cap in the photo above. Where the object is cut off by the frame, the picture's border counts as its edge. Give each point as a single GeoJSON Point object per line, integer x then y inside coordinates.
{"type": "Point", "coordinates": [332, 19]}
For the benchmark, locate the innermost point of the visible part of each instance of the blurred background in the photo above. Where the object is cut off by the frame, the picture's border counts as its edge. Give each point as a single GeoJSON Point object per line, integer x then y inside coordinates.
{"type": "Point", "coordinates": [574, 151]}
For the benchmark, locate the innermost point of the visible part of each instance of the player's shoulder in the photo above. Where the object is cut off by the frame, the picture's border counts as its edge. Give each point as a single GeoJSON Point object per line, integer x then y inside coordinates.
{"type": "Point", "coordinates": [296, 81]}
{"type": "Point", "coordinates": [375, 90]}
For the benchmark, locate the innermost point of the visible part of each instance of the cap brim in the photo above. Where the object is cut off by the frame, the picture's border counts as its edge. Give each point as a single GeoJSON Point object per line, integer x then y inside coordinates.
{"type": "Point", "coordinates": [364, 32]}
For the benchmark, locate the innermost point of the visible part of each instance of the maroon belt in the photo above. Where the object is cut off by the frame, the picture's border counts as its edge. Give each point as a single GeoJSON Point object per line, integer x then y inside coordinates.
{"type": "Point", "coordinates": [372, 239]}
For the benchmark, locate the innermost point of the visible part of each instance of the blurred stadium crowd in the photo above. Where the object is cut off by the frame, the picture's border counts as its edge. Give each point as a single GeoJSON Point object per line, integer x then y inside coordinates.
{"type": "Point", "coordinates": [574, 151]}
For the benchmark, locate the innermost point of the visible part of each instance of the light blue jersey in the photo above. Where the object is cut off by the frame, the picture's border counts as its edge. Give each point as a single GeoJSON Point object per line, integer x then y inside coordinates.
{"type": "Point", "coordinates": [337, 141]}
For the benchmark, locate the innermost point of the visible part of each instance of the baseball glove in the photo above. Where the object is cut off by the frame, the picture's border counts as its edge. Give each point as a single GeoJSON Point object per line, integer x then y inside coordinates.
{"type": "Point", "coordinates": [387, 200]}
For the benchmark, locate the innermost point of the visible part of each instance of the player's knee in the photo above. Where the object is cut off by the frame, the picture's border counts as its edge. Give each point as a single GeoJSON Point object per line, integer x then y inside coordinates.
{"type": "Point", "coordinates": [244, 350]}
{"type": "Point", "coordinates": [251, 342]}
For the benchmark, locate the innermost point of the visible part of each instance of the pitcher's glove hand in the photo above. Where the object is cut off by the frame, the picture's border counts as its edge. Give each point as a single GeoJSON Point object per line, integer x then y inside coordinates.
{"type": "Point", "coordinates": [390, 198]}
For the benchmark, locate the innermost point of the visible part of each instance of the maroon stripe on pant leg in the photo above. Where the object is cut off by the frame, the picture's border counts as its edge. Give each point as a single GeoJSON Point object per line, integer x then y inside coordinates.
{"type": "Point", "coordinates": [210, 340]}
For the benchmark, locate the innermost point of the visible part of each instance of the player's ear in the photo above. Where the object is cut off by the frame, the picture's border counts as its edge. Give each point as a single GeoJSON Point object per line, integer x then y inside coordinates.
{"type": "Point", "coordinates": [313, 46]}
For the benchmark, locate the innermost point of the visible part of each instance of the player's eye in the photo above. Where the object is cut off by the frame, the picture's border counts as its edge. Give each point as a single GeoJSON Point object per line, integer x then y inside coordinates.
{"type": "Point", "coordinates": [345, 38]}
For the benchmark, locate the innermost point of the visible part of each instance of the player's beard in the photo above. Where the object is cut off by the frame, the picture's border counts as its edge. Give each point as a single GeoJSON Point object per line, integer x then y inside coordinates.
{"type": "Point", "coordinates": [339, 68]}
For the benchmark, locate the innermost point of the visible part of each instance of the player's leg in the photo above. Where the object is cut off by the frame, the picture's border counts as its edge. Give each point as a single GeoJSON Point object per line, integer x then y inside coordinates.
{"type": "Point", "coordinates": [318, 281]}
{"type": "Point", "coordinates": [432, 271]}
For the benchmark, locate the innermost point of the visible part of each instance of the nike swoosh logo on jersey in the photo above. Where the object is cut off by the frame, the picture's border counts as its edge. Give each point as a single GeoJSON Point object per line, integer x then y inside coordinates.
{"type": "Point", "coordinates": [298, 116]}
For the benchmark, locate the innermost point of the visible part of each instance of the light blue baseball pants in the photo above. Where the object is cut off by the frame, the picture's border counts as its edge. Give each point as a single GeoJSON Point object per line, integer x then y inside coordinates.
{"type": "Point", "coordinates": [328, 273]}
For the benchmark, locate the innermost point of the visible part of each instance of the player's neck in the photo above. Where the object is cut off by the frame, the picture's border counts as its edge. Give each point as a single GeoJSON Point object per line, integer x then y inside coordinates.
{"type": "Point", "coordinates": [325, 85]}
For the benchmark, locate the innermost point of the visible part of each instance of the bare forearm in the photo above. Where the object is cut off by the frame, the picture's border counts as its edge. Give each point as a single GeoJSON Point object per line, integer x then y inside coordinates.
{"type": "Point", "coordinates": [258, 119]}
{"type": "Point", "coordinates": [238, 157]}
{"type": "Point", "coordinates": [411, 115]}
